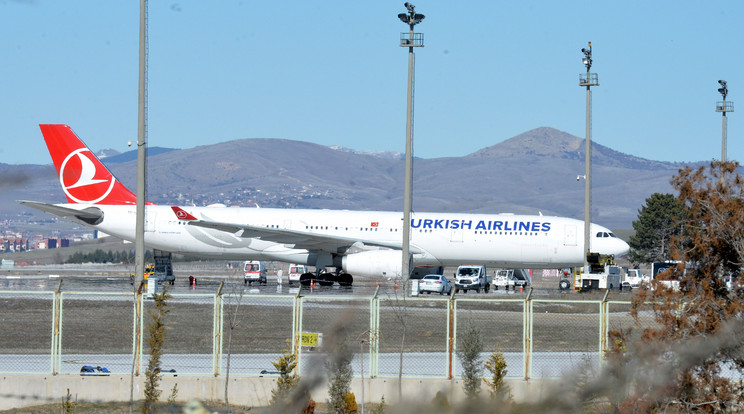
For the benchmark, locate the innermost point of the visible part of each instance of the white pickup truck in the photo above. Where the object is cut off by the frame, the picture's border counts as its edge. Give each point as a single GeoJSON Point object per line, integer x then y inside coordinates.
{"type": "Point", "coordinates": [472, 277]}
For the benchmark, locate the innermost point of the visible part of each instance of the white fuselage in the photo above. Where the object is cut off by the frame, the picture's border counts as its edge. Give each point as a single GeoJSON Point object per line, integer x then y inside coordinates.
{"type": "Point", "coordinates": [442, 239]}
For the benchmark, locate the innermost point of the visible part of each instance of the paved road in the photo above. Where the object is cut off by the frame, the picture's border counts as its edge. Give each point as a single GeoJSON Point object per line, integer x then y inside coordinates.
{"type": "Point", "coordinates": [417, 364]}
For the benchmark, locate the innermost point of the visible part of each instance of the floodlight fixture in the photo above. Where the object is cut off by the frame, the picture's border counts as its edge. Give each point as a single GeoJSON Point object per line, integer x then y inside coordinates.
{"type": "Point", "coordinates": [723, 90]}
{"type": "Point", "coordinates": [587, 57]}
{"type": "Point", "coordinates": [411, 18]}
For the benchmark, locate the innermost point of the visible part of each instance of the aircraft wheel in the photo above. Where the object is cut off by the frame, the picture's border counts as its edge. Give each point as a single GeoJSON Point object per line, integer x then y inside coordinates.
{"type": "Point", "coordinates": [325, 279]}
{"type": "Point", "coordinates": [306, 279]}
{"type": "Point", "coordinates": [345, 279]}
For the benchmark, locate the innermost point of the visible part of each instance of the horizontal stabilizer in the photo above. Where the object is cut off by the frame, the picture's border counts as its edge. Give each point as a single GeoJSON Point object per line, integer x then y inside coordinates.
{"type": "Point", "coordinates": [88, 215]}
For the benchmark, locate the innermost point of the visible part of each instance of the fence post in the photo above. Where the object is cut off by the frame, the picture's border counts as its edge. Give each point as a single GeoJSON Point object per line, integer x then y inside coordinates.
{"type": "Point", "coordinates": [451, 334]}
{"type": "Point", "coordinates": [603, 326]}
{"type": "Point", "coordinates": [527, 329]}
{"type": "Point", "coordinates": [217, 327]}
{"type": "Point", "coordinates": [297, 330]}
{"type": "Point", "coordinates": [56, 330]}
{"type": "Point", "coordinates": [374, 335]}
{"type": "Point", "coordinates": [137, 329]}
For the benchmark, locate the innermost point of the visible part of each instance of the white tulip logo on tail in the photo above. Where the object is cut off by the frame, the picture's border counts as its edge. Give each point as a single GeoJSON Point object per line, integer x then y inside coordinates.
{"type": "Point", "coordinates": [81, 184]}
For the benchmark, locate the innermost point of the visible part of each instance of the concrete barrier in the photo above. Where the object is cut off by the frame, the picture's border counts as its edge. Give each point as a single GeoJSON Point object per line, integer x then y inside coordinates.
{"type": "Point", "coordinates": [25, 391]}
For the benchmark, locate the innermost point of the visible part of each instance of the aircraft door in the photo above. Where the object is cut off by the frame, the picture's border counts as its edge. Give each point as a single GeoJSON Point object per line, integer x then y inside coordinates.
{"type": "Point", "coordinates": [569, 235]}
{"type": "Point", "coordinates": [287, 224]}
{"type": "Point", "coordinates": [456, 235]}
{"type": "Point", "coordinates": [150, 216]}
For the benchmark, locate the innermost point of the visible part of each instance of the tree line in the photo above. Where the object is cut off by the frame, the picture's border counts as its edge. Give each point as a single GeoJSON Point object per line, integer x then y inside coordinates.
{"type": "Point", "coordinates": [101, 256]}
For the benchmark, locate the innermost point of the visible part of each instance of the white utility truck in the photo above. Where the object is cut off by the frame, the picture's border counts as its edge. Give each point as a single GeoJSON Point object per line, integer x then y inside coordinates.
{"type": "Point", "coordinates": [602, 273]}
{"type": "Point", "coordinates": [472, 277]}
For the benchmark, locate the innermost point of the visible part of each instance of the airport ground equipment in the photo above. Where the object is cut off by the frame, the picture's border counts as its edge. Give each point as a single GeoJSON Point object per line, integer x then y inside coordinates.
{"type": "Point", "coordinates": [601, 273]}
{"type": "Point", "coordinates": [472, 277]}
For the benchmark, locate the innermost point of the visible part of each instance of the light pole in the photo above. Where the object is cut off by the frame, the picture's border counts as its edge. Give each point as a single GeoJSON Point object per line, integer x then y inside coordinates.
{"type": "Point", "coordinates": [409, 40]}
{"type": "Point", "coordinates": [724, 107]}
{"type": "Point", "coordinates": [589, 79]}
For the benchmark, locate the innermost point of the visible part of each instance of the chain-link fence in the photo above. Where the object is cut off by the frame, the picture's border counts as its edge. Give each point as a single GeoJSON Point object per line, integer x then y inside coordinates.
{"type": "Point", "coordinates": [244, 332]}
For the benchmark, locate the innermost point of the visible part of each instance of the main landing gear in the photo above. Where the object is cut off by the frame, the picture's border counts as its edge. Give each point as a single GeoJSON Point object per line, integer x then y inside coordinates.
{"type": "Point", "coordinates": [327, 278]}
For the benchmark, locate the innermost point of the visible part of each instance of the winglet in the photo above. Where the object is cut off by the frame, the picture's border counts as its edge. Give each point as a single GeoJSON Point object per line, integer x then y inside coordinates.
{"type": "Point", "coordinates": [182, 214]}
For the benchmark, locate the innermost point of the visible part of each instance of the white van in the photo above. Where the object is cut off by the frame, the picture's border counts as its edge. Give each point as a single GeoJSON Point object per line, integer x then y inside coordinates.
{"type": "Point", "coordinates": [254, 271]}
{"type": "Point", "coordinates": [295, 271]}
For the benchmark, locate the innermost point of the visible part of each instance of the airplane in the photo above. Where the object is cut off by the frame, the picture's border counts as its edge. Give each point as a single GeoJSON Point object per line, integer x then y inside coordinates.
{"type": "Point", "coordinates": [361, 243]}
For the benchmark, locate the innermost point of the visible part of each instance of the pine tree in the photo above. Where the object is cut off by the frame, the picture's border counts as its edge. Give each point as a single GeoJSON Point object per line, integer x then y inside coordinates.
{"type": "Point", "coordinates": [660, 219]}
{"type": "Point", "coordinates": [339, 378]}
{"type": "Point", "coordinates": [496, 365]}
{"type": "Point", "coordinates": [156, 340]}
{"type": "Point", "coordinates": [287, 380]}
{"type": "Point", "coordinates": [469, 355]}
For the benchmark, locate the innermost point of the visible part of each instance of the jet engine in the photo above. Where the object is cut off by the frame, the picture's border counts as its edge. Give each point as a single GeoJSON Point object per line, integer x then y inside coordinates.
{"type": "Point", "coordinates": [374, 263]}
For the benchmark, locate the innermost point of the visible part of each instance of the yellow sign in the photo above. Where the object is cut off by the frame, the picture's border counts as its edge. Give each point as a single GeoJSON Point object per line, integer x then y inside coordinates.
{"type": "Point", "coordinates": [310, 339]}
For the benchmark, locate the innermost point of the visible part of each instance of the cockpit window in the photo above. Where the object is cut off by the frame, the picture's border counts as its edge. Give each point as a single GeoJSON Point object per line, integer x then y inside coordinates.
{"type": "Point", "coordinates": [605, 234]}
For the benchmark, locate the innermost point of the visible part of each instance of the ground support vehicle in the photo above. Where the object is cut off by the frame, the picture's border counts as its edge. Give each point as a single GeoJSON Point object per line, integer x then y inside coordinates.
{"type": "Point", "coordinates": [472, 277]}
{"type": "Point", "coordinates": [635, 279]}
{"type": "Point", "coordinates": [254, 271]}
{"type": "Point", "coordinates": [670, 280]}
{"type": "Point", "coordinates": [602, 273]}
{"type": "Point", "coordinates": [149, 271]}
{"type": "Point", "coordinates": [435, 283]}
{"type": "Point", "coordinates": [163, 267]}
{"type": "Point", "coordinates": [504, 279]}
{"type": "Point", "coordinates": [511, 278]}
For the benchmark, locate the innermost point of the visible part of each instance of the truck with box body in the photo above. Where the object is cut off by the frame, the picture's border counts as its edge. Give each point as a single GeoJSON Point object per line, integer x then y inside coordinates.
{"type": "Point", "coordinates": [472, 277]}
{"type": "Point", "coordinates": [254, 271]}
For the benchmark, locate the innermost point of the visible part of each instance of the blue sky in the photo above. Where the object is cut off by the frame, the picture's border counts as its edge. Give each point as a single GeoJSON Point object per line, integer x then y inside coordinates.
{"type": "Point", "coordinates": [333, 73]}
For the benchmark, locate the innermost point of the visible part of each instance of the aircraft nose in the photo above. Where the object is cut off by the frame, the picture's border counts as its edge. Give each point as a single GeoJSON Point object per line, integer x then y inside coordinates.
{"type": "Point", "coordinates": [622, 248]}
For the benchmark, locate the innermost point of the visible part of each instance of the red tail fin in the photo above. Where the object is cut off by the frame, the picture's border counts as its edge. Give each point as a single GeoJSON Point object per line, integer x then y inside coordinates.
{"type": "Point", "coordinates": [181, 214]}
{"type": "Point", "coordinates": [83, 177]}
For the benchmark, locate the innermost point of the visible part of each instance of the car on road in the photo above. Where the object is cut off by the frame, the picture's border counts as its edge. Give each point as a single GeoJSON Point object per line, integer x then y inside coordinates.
{"type": "Point", "coordinates": [91, 371]}
{"type": "Point", "coordinates": [435, 283]}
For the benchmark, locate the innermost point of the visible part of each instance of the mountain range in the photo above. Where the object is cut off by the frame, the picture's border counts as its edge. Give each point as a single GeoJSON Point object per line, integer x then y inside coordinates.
{"type": "Point", "coordinates": [531, 173]}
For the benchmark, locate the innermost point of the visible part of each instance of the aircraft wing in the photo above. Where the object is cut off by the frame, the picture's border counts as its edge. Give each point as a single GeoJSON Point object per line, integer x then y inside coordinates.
{"type": "Point", "coordinates": [89, 215]}
{"type": "Point", "coordinates": [300, 239]}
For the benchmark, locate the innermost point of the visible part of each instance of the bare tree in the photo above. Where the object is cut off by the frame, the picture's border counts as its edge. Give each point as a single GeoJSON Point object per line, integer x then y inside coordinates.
{"type": "Point", "coordinates": [236, 298]}
{"type": "Point", "coordinates": [698, 331]}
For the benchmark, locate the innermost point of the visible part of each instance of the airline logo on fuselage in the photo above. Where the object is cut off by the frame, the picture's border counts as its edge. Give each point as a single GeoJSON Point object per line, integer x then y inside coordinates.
{"type": "Point", "coordinates": [77, 175]}
{"type": "Point", "coordinates": [498, 225]}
